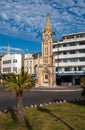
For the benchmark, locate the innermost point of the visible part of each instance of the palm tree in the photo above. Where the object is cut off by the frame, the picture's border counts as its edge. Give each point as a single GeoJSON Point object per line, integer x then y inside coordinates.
{"type": "Point", "coordinates": [17, 84]}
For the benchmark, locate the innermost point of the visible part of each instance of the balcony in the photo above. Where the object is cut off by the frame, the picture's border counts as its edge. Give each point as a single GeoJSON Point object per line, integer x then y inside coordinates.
{"type": "Point", "coordinates": [68, 56]}
{"type": "Point", "coordinates": [78, 47]}
{"type": "Point", "coordinates": [73, 40]}
{"type": "Point", "coordinates": [68, 64]}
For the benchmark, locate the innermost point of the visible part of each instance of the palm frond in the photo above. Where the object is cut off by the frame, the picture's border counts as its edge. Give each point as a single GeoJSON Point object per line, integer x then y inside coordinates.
{"type": "Point", "coordinates": [20, 82]}
{"type": "Point", "coordinates": [23, 78]}
{"type": "Point", "coordinates": [11, 77]}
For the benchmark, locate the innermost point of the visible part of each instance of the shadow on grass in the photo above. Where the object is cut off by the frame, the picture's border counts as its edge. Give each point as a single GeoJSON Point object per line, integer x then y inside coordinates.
{"type": "Point", "coordinates": [78, 102]}
{"type": "Point", "coordinates": [56, 117]}
{"type": "Point", "coordinates": [26, 123]}
{"type": "Point", "coordinates": [81, 101]}
{"type": "Point", "coordinates": [12, 112]}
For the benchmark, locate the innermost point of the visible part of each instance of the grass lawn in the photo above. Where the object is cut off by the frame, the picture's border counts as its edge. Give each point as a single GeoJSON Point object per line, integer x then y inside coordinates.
{"type": "Point", "coordinates": [65, 116]}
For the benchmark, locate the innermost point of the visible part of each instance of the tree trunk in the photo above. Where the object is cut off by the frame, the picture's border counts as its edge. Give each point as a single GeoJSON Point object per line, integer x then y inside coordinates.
{"type": "Point", "coordinates": [19, 107]}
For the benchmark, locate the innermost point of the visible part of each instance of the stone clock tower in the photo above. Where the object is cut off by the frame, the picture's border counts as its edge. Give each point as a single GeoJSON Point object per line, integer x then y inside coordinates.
{"type": "Point", "coordinates": [46, 69]}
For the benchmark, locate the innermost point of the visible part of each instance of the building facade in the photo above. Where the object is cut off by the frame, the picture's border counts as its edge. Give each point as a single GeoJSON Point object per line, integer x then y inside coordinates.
{"type": "Point", "coordinates": [69, 55]}
{"type": "Point", "coordinates": [31, 63]}
{"type": "Point", "coordinates": [28, 64]}
{"type": "Point", "coordinates": [12, 63]}
{"type": "Point", "coordinates": [37, 60]}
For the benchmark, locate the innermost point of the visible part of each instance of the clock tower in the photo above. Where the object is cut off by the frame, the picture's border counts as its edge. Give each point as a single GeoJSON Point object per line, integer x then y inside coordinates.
{"type": "Point", "coordinates": [47, 43]}
{"type": "Point", "coordinates": [46, 69]}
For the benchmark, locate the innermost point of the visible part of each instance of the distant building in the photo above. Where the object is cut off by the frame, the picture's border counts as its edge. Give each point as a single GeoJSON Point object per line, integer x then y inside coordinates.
{"type": "Point", "coordinates": [12, 63]}
{"type": "Point", "coordinates": [69, 56]}
{"type": "Point", "coordinates": [28, 63]}
{"type": "Point", "coordinates": [0, 61]}
{"type": "Point", "coordinates": [1, 67]}
{"type": "Point", "coordinates": [31, 63]}
{"type": "Point", "coordinates": [37, 59]}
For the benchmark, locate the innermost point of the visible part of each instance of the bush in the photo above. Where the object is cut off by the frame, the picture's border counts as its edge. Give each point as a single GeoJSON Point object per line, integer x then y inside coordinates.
{"type": "Point", "coordinates": [83, 85]}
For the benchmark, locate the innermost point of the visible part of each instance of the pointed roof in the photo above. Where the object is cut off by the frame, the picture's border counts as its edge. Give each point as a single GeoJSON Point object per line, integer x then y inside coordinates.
{"type": "Point", "coordinates": [8, 49]}
{"type": "Point", "coordinates": [48, 24]}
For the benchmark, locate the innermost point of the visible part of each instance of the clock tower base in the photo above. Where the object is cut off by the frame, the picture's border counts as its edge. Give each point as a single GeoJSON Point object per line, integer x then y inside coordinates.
{"type": "Point", "coordinates": [46, 76]}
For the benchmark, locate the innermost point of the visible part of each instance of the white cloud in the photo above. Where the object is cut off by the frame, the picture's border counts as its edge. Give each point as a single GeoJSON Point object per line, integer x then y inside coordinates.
{"type": "Point", "coordinates": [4, 16]}
{"type": "Point", "coordinates": [81, 3]}
{"type": "Point", "coordinates": [12, 49]}
{"type": "Point", "coordinates": [77, 10]}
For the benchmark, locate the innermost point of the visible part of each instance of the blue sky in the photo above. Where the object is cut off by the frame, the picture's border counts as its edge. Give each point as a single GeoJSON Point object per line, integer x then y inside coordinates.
{"type": "Point", "coordinates": [22, 20]}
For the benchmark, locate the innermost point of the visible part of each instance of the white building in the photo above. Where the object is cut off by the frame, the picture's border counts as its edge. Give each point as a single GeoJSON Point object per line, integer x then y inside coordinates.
{"type": "Point", "coordinates": [12, 63]}
{"type": "Point", "coordinates": [28, 63]}
{"type": "Point", "coordinates": [69, 56]}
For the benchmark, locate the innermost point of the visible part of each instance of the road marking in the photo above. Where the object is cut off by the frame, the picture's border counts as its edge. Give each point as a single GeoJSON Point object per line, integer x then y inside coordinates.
{"type": "Point", "coordinates": [70, 90]}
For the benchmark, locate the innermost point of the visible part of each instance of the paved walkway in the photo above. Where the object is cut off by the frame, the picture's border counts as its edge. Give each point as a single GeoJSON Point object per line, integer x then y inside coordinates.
{"type": "Point", "coordinates": [58, 88]}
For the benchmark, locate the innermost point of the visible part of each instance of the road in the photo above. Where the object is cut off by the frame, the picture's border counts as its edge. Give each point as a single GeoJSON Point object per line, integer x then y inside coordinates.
{"type": "Point", "coordinates": [36, 97]}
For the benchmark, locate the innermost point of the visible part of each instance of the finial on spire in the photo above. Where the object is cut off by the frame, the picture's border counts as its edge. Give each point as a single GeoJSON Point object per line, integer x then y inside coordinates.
{"type": "Point", "coordinates": [48, 14]}
{"type": "Point", "coordinates": [48, 25]}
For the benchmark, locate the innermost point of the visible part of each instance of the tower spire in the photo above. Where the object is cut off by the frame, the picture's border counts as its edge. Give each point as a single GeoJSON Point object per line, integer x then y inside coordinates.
{"type": "Point", "coordinates": [8, 49]}
{"type": "Point", "coordinates": [48, 24]}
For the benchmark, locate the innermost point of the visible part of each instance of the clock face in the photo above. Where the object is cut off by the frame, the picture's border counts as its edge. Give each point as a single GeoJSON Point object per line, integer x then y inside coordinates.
{"type": "Point", "coordinates": [45, 37]}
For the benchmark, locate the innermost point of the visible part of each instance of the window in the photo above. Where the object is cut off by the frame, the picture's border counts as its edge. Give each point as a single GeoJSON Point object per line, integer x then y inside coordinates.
{"type": "Point", "coordinates": [65, 45]}
{"type": "Point", "coordinates": [75, 68]}
{"type": "Point", "coordinates": [58, 60]}
{"type": "Point", "coordinates": [27, 62]}
{"type": "Point", "coordinates": [72, 52]}
{"type": "Point", "coordinates": [46, 51]}
{"type": "Point", "coordinates": [56, 69]}
{"type": "Point", "coordinates": [65, 52]}
{"type": "Point", "coordinates": [77, 35]}
{"type": "Point", "coordinates": [65, 60]}
{"type": "Point", "coordinates": [79, 68]}
{"type": "Point", "coordinates": [67, 69]}
{"type": "Point", "coordinates": [14, 60]}
{"type": "Point", "coordinates": [8, 69]}
{"type": "Point", "coordinates": [82, 59]}
{"type": "Point", "coordinates": [58, 53]}
{"type": "Point", "coordinates": [15, 69]}
{"type": "Point", "coordinates": [7, 62]}
{"type": "Point", "coordinates": [70, 36]}
{"type": "Point", "coordinates": [46, 60]}
{"type": "Point", "coordinates": [82, 51]}
{"type": "Point", "coordinates": [81, 35]}
{"type": "Point", "coordinates": [73, 60]}
{"type": "Point", "coordinates": [46, 76]}
{"type": "Point", "coordinates": [82, 43]}
{"type": "Point", "coordinates": [57, 46]}
{"type": "Point", "coordinates": [54, 46]}
{"type": "Point", "coordinates": [72, 44]}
